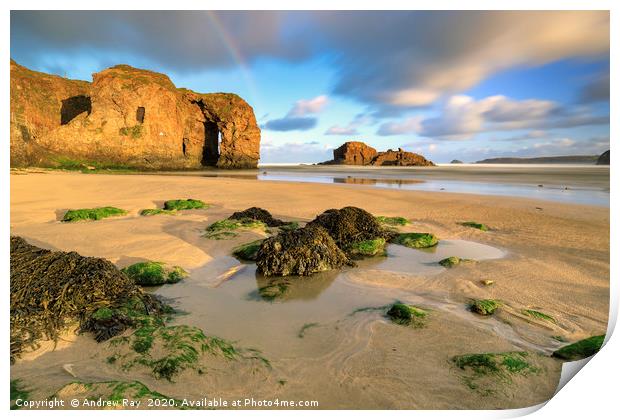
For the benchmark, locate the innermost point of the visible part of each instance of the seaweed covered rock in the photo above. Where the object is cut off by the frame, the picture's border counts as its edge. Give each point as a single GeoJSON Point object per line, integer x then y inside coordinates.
{"type": "Point", "coordinates": [368, 248]}
{"type": "Point", "coordinates": [248, 252]}
{"type": "Point", "coordinates": [484, 306]}
{"type": "Point", "coordinates": [50, 289]}
{"type": "Point", "coordinates": [185, 204]}
{"type": "Point", "coordinates": [581, 349]}
{"type": "Point", "coordinates": [416, 240]}
{"type": "Point", "coordinates": [349, 225]}
{"type": "Point", "coordinates": [256, 213]}
{"type": "Point", "coordinates": [403, 314]}
{"type": "Point", "coordinates": [154, 273]}
{"type": "Point", "coordinates": [299, 252]}
{"type": "Point", "coordinates": [97, 213]}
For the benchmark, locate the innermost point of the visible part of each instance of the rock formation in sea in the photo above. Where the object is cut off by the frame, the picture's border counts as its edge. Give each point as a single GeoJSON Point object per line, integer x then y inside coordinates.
{"type": "Point", "coordinates": [603, 159]}
{"type": "Point", "coordinates": [358, 153]}
{"type": "Point", "coordinates": [354, 153]}
{"type": "Point", "coordinates": [127, 117]}
{"type": "Point", "coordinates": [455, 161]}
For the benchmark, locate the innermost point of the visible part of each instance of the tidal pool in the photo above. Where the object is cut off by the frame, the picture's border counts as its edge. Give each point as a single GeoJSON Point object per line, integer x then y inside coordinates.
{"type": "Point", "coordinates": [229, 299]}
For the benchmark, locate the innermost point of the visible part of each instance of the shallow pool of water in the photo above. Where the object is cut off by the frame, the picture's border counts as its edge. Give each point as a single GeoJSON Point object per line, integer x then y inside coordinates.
{"type": "Point", "coordinates": [578, 195]}
{"type": "Point", "coordinates": [231, 300]}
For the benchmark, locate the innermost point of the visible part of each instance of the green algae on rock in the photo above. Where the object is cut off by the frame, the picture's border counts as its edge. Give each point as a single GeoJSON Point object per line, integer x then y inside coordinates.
{"type": "Point", "coordinates": [450, 262]}
{"type": "Point", "coordinates": [153, 212]}
{"type": "Point", "coordinates": [289, 226]}
{"type": "Point", "coordinates": [581, 349]}
{"type": "Point", "coordinates": [258, 214]}
{"type": "Point", "coordinates": [182, 204]}
{"type": "Point", "coordinates": [483, 371]}
{"type": "Point", "coordinates": [154, 273]}
{"type": "Point", "coordinates": [169, 350]}
{"type": "Point", "coordinates": [484, 306]}
{"type": "Point", "coordinates": [113, 392]}
{"type": "Point", "coordinates": [96, 213]}
{"type": "Point", "coordinates": [109, 321]}
{"type": "Point", "coordinates": [18, 392]}
{"type": "Point", "coordinates": [475, 225]}
{"type": "Point", "coordinates": [247, 252]}
{"type": "Point", "coordinates": [416, 240]}
{"type": "Point", "coordinates": [403, 314]}
{"type": "Point", "coordinates": [367, 248]}
{"type": "Point", "coordinates": [392, 220]}
{"type": "Point", "coordinates": [538, 315]}
{"type": "Point", "coordinates": [224, 229]}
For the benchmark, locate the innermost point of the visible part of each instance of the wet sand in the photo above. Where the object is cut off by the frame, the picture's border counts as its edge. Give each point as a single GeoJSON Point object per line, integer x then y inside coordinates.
{"type": "Point", "coordinates": [541, 255]}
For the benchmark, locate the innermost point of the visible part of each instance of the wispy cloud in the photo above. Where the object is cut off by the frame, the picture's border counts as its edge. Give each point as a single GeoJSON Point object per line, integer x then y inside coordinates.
{"type": "Point", "coordinates": [393, 128]}
{"type": "Point", "coordinates": [295, 152]}
{"type": "Point", "coordinates": [304, 107]}
{"type": "Point", "coordinates": [291, 124]}
{"type": "Point", "coordinates": [350, 129]}
{"type": "Point", "coordinates": [298, 116]}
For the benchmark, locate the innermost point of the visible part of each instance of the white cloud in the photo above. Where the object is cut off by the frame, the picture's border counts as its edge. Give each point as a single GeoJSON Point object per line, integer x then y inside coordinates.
{"type": "Point", "coordinates": [407, 126]}
{"type": "Point", "coordinates": [304, 107]}
{"type": "Point", "coordinates": [299, 117]}
{"type": "Point", "coordinates": [462, 117]}
{"type": "Point", "coordinates": [351, 128]}
{"type": "Point", "coordinates": [295, 152]}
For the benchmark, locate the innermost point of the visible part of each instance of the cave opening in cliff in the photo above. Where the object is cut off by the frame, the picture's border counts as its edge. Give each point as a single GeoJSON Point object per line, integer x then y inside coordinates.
{"type": "Point", "coordinates": [74, 106]}
{"type": "Point", "coordinates": [211, 149]}
{"type": "Point", "coordinates": [140, 114]}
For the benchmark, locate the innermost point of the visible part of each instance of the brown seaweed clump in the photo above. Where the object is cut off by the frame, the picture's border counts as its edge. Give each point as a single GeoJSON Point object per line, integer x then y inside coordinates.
{"type": "Point", "coordinates": [349, 225]}
{"type": "Point", "coordinates": [256, 213]}
{"type": "Point", "coordinates": [299, 252]}
{"type": "Point", "coordinates": [52, 289]}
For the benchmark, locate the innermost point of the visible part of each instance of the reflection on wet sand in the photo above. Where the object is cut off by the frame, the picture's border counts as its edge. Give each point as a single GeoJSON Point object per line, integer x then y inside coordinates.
{"type": "Point", "coordinates": [289, 288]}
{"type": "Point", "coordinates": [376, 181]}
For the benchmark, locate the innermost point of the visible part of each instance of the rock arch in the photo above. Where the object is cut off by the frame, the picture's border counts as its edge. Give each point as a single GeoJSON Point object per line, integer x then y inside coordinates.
{"type": "Point", "coordinates": [128, 116]}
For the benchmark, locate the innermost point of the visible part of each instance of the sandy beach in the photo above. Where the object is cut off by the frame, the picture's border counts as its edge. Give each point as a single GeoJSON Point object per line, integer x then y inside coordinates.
{"type": "Point", "coordinates": [542, 255]}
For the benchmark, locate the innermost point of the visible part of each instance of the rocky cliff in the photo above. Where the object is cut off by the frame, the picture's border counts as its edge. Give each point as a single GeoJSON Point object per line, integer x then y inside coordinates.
{"type": "Point", "coordinates": [603, 159]}
{"type": "Point", "coordinates": [358, 153]}
{"type": "Point", "coordinates": [128, 117]}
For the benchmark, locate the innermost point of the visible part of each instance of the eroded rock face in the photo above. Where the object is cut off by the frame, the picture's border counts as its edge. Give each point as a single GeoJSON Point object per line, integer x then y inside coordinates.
{"type": "Point", "coordinates": [358, 153]}
{"type": "Point", "coordinates": [603, 159]}
{"type": "Point", "coordinates": [400, 158]}
{"type": "Point", "coordinates": [354, 153]}
{"type": "Point", "coordinates": [39, 102]}
{"type": "Point", "coordinates": [128, 116]}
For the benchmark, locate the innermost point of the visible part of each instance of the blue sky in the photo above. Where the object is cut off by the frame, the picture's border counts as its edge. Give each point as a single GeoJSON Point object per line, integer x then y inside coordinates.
{"type": "Point", "coordinates": [448, 85]}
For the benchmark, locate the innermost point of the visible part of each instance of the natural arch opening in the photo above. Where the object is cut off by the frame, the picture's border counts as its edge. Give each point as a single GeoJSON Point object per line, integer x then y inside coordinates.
{"type": "Point", "coordinates": [74, 106]}
{"type": "Point", "coordinates": [140, 114]}
{"type": "Point", "coordinates": [211, 149]}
